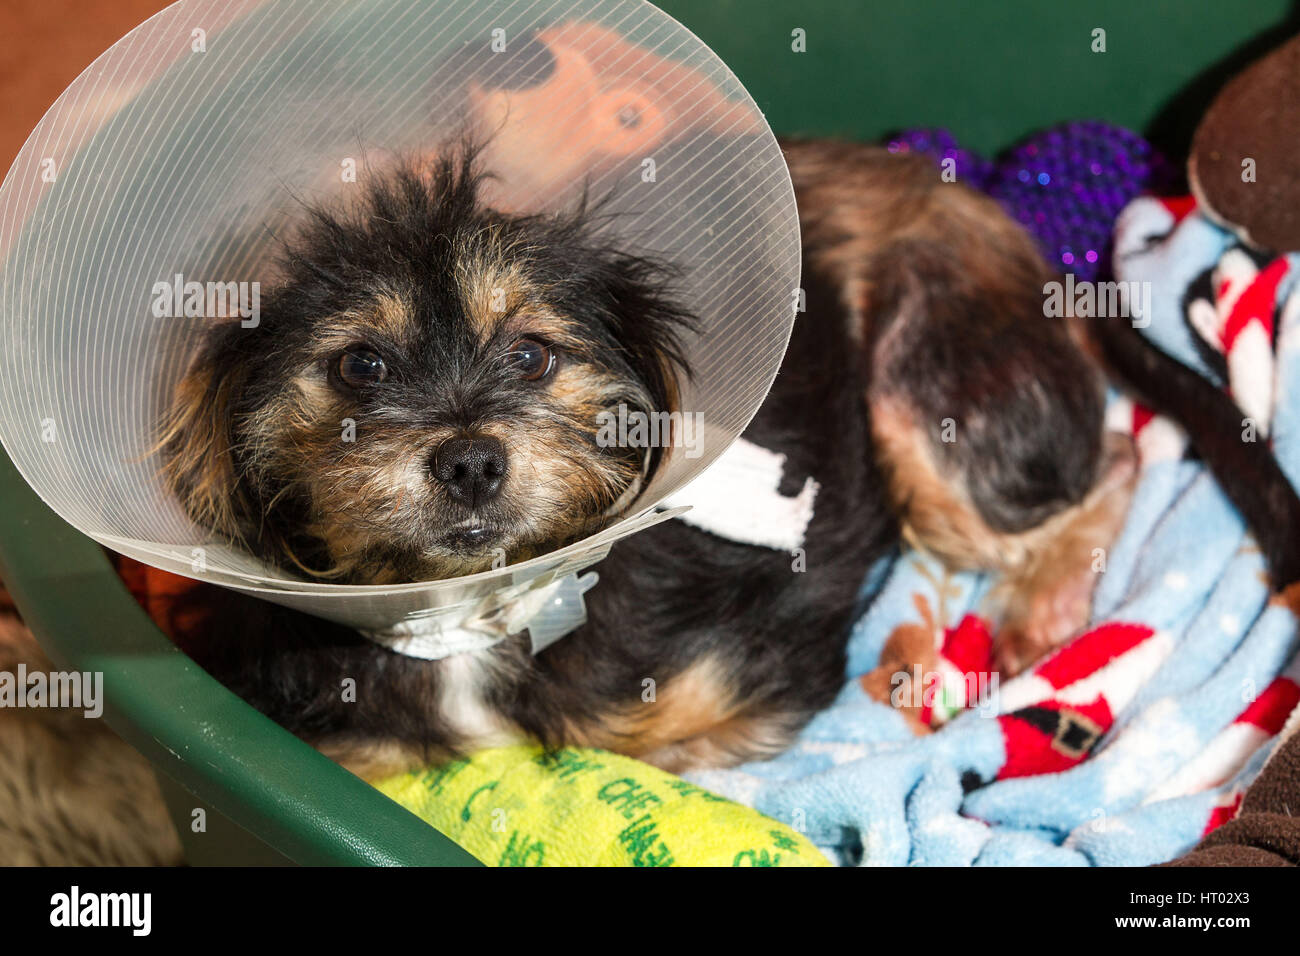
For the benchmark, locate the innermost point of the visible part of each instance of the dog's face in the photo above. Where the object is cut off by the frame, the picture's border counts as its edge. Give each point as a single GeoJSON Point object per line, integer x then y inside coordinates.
{"type": "Point", "coordinates": [422, 396]}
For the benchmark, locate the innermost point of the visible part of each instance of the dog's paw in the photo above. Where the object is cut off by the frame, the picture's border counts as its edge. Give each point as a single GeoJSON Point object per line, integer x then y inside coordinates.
{"type": "Point", "coordinates": [1046, 620]}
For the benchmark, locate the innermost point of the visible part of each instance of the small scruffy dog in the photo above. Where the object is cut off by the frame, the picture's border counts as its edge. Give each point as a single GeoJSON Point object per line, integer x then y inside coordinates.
{"type": "Point", "coordinates": [474, 350]}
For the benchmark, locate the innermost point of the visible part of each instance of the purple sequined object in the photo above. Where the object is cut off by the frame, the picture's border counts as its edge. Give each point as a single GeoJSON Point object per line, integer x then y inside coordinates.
{"type": "Point", "coordinates": [1065, 185]}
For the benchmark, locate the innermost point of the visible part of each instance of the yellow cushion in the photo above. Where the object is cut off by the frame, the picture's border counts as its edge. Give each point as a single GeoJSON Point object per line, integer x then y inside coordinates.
{"type": "Point", "coordinates": [518, 806]}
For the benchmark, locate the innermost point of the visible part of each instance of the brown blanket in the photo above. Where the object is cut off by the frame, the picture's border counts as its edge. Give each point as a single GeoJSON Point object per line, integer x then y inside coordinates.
{"type": "Point", "coordinates": [1266, 830]}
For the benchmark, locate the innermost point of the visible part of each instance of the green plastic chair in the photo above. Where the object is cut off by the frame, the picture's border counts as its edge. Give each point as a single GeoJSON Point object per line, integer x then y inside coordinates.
{"type": "Point", "coordinates": [991, 72]}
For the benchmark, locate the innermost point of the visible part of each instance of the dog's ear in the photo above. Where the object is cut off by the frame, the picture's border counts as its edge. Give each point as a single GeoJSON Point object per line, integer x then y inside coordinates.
{"type": "Point", "coordinates": [1005, 402]}
{"type": "Point", "coordinates": [197, 442]}
{"type": "Point", "coordinates": [649, 325]}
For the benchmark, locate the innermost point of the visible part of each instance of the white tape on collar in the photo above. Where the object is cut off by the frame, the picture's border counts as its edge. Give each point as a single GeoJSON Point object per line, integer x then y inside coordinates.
{"type": "Point", "coordinates": [547, 613]}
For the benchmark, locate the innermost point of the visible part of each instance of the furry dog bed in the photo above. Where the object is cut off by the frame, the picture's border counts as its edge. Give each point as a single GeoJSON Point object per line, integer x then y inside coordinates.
{"type": "Point", "coordinates": [71, 792]}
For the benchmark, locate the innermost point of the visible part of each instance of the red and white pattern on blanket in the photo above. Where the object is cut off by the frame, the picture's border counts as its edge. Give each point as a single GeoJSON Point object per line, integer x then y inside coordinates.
{"type": "Point", "coordinates": [1240, 324]}
{"type": "Point", "coordinates": [1155, 437]}
{"type": "Point", "coordinates": [965, 670]}
{"type": "Point", "coordinates": [1239, 318]}
{"type": "Point", "coordinates": [1260, 721]}
{"type": "Point", "coordinates": [1055, 714]}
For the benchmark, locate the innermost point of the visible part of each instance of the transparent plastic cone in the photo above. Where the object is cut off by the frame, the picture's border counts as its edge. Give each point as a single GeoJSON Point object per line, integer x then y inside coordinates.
{"type": "Point", "coordinates": [190, 144]}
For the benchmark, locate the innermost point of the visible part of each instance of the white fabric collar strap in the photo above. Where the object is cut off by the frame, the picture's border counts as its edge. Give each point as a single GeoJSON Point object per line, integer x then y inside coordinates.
{"type": "Point", "coordinates": [547, 613]}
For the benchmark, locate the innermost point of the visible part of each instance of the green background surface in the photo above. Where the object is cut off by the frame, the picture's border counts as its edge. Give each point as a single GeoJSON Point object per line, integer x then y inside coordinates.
{"type": "Point", "coordinates": [990, 70]}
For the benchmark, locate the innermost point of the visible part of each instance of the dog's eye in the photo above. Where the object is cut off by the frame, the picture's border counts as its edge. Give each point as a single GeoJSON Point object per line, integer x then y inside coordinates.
{"type": "Point", "coordinates": [360, 367]}
{"type": "Point", "coordinates": [531, 359]}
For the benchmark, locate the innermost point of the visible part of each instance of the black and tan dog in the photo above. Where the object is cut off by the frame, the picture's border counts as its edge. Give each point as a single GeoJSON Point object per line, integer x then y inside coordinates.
{"type": "Point", "coordinates": [475, 349]}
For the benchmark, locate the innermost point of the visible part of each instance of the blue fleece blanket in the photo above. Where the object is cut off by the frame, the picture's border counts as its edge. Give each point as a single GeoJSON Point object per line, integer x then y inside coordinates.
{"type": "Point", "coordinates": [1139, 736]}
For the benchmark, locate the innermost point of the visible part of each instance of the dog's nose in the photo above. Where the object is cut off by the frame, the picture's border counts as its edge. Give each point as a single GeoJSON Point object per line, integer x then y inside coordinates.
{"type": "Point", "coordinates": [471, 468]}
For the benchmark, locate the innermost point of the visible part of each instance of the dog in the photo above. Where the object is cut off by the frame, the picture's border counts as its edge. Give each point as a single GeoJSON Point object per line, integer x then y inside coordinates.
{"type": "Point", "coordinates": [474, 350]}
{"type": "Point", "coordinates": [986, 415]}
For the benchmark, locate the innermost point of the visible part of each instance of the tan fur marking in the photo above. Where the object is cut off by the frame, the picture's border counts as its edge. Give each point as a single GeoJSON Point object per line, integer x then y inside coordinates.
{"type": "Point", "coordinates": [694, 721]}
{"type": "Point", "coordinates": [936, 514]}
{"type": "Point", "coordinates": [393, 317]}
{"type": "Point", "coordinates": [196, 451]}
{"type": "Point", "coordinates": [1045, 600]}
{"type": "Point", "coordinates": [491, 287]}
{"type": "Point", "coordinates": [1289, 597]}
{"type": "Point", "coordinates": [375, 761]}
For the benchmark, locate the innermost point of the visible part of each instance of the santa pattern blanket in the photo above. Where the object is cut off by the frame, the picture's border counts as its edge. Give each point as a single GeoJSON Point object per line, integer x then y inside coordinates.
{"type": "Point", "coordinates": [1138, 737]}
